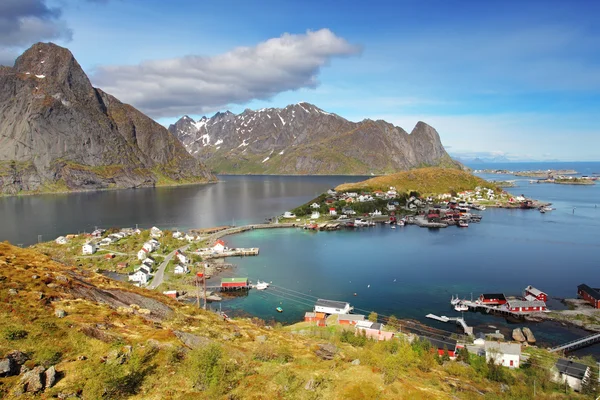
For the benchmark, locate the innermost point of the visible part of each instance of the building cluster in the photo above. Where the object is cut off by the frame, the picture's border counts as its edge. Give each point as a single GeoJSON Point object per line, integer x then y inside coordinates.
{"type": "Point", "coordinates": [96, 239]}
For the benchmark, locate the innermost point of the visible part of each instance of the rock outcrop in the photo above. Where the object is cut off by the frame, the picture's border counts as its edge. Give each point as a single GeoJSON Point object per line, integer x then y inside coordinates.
{"type": "Point", "coordinates": [58, 132]}
{"type": "Point", "coordinates": [303, 139]}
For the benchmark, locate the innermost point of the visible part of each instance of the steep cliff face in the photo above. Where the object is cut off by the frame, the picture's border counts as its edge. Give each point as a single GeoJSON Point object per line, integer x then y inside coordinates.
{"type": "Point", "coordinates": [58, 132]}
{"type": "Point", "coordinates": [303, 139]}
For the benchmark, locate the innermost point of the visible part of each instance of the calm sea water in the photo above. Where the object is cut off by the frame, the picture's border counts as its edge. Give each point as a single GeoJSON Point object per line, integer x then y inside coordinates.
{"type": "Point", "coordinates": [408, 272]}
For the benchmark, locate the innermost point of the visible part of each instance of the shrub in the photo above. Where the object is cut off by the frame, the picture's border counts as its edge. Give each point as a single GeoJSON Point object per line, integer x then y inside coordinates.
{"type": "Point", "coordinates": [268, 352]}
{"type": "Point", "coordinates": [355, 340]}
{"type": "Point", "coordinates": [15, 334]}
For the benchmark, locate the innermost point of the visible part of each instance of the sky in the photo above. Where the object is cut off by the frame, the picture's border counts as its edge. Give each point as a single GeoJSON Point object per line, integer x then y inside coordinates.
{"type": "Point", "coordinates": [511, 79]}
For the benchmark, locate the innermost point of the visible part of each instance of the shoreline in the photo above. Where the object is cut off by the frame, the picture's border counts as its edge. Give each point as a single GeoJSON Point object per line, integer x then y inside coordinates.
{"type": "Point", "coordinates": [74, 191]}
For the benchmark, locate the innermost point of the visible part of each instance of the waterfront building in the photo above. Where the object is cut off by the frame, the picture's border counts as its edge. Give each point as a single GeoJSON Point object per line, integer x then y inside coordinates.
{"type": "Point", "coordinates": [234, 282]}
{"type": "Point", "coordinates": [350, 319]}
{"type": "Point", "coordinates": [492, 298]}
{"type": "Point", "coordinates": [525, 306]}
{"type": "Point", "coordinates": [572, 373]}
{"type": "Point", "coordinates": [219, 246]}
{"type": "Point", "coordinates": [316, 317]}
{"type": "Point", "coordinates": [535, 294]}
{"type": "Point", "coordinates": [591, 295]}
{"type": "Point", "coordinates": [332, 307]}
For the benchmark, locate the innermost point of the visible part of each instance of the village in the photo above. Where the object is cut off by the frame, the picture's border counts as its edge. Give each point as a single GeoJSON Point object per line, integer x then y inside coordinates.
{"type": "Point", "coordinates": [172, 256]}
{"type": "Point", "coordinates": [333, 210]}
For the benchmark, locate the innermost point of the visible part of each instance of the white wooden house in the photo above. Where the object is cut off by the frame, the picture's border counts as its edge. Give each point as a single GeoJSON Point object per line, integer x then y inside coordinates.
{"type": "Point", "coordinates": [189, 238]}
{"type": "Point", "coordinates": [332, 211]}
{"type": "Point", "coordinates": [315, 215]}
{"type": "Point", "coordinates": [219, 246]}
{"type": "Point", "coordinates": [89, 248]}
{"type": "Point", "coordinates": [181, 257]}
{"type": "Point", "coordinates": [572, 373]}
{"type": "Point", "coordinates": [141, 276]}
{"type": "Point", "coordinates": [143, 254]}
{"type": "Point", "coordinates": [177, 235]}
{"type": "Point", "coordinates": [181, 269]}
{"type": "Point", "coordinates": [332, 307]}
{"type": "Point", "coordinates": [315, 206]}
{"type": "Point", "coordinates": [505, 354]}
{"type": "Point", "coordinates": [155, 232]}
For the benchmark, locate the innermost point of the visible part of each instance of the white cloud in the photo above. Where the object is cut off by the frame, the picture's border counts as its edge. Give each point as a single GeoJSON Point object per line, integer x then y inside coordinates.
{"type": "Point", "coordinates": [195, 84]}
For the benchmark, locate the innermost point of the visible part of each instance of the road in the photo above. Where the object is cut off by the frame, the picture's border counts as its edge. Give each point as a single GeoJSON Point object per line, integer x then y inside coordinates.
{"type": "Point", "coordinates": [159, 275]}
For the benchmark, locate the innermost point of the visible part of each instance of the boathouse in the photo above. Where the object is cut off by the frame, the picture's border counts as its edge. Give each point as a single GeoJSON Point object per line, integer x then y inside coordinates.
{"type": "Point", "coordinates": [492, 298]}
{"type": "Point", "coordinates": [350, 319]}
{"type": "Point", "coordinates": [572, 373]}
{"type": "Point", "coordinates": [317, 317]}
{"type": "Point", "coordinates": [332, 307]}
{"type": "Point", "coordinates": [525, 306]}
{"type": "Point", "coordinates": [532, 293]}
{"type": "Point", "coordinates": [234, 282]}
{"type": "Point", "coordinates": [589, 294]}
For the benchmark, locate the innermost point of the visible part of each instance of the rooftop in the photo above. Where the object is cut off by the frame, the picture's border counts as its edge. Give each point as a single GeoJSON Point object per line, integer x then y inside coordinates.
{"type": "Point", "coordinates": [331, 303]}
{"type": "Point", "coordinates": [571, 368]}
{"type": "Point", "coordinates": [534, 291]}
{"type": "Point", "coordinates": [591, 291]}
{"type": "Point", "coordinates": [235, 280]}
{"type": "Point", "coordinates": [525, 303]}
{"type": "Point", "coordinates": [504, 348]}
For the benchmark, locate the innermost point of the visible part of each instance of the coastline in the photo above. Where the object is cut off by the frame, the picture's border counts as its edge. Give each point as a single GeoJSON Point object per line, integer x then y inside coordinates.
{"type": "Point", "coordinates": [61, 192]}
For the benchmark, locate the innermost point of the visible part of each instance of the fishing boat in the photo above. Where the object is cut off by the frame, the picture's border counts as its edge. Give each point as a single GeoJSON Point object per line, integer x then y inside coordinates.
{"type": "Point", "coordinates": [454, 300]}
{"type": "Point", "coordinates": [400, 222]}
{"type": "Point", "coordinates": [547, 208]}
{"type": "Point", "coordinates": [461, 307]}
{"type": "Point", "coordinates": [463, 224]}
{"type": "Point", "coordinates": [261, 285]}
{"type": "Point", "coordinates": [279, 309]}
{"type": "Point", "coordinates": [542, 211]}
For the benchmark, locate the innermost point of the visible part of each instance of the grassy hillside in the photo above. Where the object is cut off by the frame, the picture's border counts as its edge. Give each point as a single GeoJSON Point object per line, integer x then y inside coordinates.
{"type": "Point", "coordinates": [117, 341]}
{"type": "Point", "coordinates": [426, 181]}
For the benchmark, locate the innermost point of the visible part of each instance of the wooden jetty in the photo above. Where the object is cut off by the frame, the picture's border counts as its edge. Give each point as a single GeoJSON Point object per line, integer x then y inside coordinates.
{"type": "Point", "coordinates": [489, 309]}
{"type": "Point", "coordinates": [253, 251]}
{"type": "Point", "coordinates": [577, 344]}
{"type": "Point", "coordinates": [459, 321]}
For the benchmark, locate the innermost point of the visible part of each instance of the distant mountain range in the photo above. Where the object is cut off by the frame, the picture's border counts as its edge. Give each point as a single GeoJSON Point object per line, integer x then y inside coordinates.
{"type": "Point", "coordinates": [303, 139]}
{"type": "Point", "coordinates": [57, 132]}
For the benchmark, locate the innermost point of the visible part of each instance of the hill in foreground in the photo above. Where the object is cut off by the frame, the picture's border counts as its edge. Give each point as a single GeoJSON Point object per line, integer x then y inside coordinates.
{"type": "Point", "coordinates": [70, 333]}
{"type": "Point", "coordinates": [302, 139]}
{"type": "Point", "coordinates": [425, 181]}
{"type": "Point", "coordinates": [59, 133]}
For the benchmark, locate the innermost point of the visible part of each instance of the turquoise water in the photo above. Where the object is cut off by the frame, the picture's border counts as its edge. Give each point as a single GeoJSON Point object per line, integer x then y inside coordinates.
{"type": "Point", "coordinates": [410, 272]}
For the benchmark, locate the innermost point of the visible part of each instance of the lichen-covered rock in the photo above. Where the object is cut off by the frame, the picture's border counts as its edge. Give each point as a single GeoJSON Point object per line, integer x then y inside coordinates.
{"type": "Point", "coordinates": [326, 351]}
{"type": "Point", "coordinates": [50, 377]}
{"type": "Point", "coordinates": [60, 313]}
{"type": "Point", "coordinates": [59, 131]}
{"type": "Point", "coordinates": [32, 381]}
{"type": "Point", "coordinates": [7, 367]}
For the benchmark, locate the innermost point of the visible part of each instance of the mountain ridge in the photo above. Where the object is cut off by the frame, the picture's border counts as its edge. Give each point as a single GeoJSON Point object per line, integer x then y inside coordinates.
{"type": "Point", "coordinates": [301, 139]}
{"type": "Point", "coordinates": [59, 133]}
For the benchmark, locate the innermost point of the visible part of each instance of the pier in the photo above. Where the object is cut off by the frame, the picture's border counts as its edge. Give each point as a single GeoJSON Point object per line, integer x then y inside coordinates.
{"type": "Point", "coordinates": [459, 321]}
{"type": "Point", "coordinates": [577, 344]}
{"type": "Point", "coordinates": [475, 306]}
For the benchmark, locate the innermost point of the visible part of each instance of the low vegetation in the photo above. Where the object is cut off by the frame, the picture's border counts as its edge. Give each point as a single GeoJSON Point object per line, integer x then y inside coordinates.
{"type": "Point", "coordinates": [426, 181]}
{"type": "Point", "coordinates": [109, 340]}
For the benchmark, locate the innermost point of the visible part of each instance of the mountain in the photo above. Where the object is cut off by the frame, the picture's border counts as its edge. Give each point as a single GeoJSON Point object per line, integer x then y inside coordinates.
{"type": "Point", "coordinates": [303, 139]}
{"type": "Point", "coordinates": [57, 132]}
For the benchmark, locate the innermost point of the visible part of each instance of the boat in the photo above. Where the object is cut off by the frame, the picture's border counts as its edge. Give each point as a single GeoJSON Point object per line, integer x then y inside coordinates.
{"type": "Point", "coordinates": [542, 210]}
{"type": "Point", "coordinates": [261, 285]}
{"type": "Point", "coordinates": [547, 208]}
{"type": "Point", "coordinates": [461, 307]}
{"type": "Point", "coordinates": [463, 224]}
{"type": "Point", "coordinates": [400, 222]}
{"type": "Point", "coordinates": [393, 226]}
{"type": "Point", "coordinates": [517, 335]}
{"type": "Point", "coordinates": [279, 309]}
{"type": "Point", "coordinates": [454, 301]}
{"type": "Point", "coordinates": [529, 335]}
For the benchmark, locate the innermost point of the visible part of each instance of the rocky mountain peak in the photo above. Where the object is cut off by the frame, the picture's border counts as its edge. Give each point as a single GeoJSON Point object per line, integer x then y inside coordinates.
{"type": "Point", "coordinates": [52, 65]}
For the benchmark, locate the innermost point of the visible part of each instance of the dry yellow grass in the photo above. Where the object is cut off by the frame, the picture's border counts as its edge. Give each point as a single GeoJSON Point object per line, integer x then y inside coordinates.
{"type": "Point", "coordinates": [425, 181]}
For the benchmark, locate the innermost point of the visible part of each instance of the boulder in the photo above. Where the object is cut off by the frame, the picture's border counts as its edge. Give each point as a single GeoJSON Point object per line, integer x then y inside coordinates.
{"type": "Point", "coordinates": [32, 381]}
{"type": "Point", "coordinates": [192, 341]}
{"type": "Point", "coordinates": [50, 377]}
{"type": "Point", "coordinates": [60, 313]}
{"type": "Point", "coordinates": [310, 385]}
{"type": "Point", "coordinates": [13, 292]}
{"type": "Point", "coordinates": [261, 338]}
{"type": "Point", "coordinates": [7, 367]}
{"type": "Point", "coordinates": [326, 351]}
{"type": "Point", "coordinates": [356, 362]}
{"type": "Point", "coordinates": [17, 356]}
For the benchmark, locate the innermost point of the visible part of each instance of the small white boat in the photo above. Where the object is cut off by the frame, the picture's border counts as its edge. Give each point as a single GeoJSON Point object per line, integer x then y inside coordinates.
{"type": "Point", "coordinates": [393, 227]}
{"type": "Point", "coordinates": [400, 222]}
{"type": "Point", "coordinates": [547, 208]}
{"type": "Point", "coordinates": [462, 223]}
{"type": "Point", "coordinates": [461, 307]}
{"type": "Point", "coordinates": [454, 301]}
{"type": "Point", "coordinates": [261, 285]}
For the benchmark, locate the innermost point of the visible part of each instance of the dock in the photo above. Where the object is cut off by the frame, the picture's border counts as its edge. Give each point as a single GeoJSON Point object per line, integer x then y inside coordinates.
{"type": "Point", "coordinates": [577, 344]}
{"type": "Point", "coordinates": [252, 251]}
{"type": "Point", "coordinates": [459, 321]}
{"type": "Point", "coordinates": [476, 306]}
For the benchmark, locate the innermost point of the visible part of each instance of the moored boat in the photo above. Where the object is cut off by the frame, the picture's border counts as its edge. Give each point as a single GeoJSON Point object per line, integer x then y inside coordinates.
{"type": "Point", "coordinates": [463, 224]}
{"type": "Point", "coordinates": [279, 309]}
{"type": "Point", "coordinates": [261, 285]}
{"type": "Point", "coordinates": [461, 307]}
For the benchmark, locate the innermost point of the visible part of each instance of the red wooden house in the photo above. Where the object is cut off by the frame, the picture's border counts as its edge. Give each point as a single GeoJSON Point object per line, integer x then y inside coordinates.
{"type": "Point", "coordinates": [234, 282]}
{"type": "Point", "coordinates": [535, 293]}
{"type": "Point", "coordinates": [492, 298]}
{"type": "Point", "coordinates": [525, 306]}
{"type": "Point", "coordinates": [317, 317]}
{"type": "Point", "coordinates": [589, 294]}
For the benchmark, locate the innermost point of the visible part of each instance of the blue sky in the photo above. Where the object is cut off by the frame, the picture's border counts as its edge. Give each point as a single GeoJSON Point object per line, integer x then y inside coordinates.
{"type": "Point", "coordinates": [510, 78]}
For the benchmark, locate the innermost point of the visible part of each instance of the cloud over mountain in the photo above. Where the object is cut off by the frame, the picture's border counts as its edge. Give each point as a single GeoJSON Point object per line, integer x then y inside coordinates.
{"type": "Point", "coordinates": [195, 84]}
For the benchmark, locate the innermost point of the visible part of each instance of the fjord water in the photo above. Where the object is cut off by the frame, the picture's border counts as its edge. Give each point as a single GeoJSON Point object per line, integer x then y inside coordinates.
{"type": "Point", "coordinates": [411, 271]}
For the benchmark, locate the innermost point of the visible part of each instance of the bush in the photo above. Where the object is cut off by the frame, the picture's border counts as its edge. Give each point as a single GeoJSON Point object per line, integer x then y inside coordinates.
{"type": "Point", "coordinates": [268, 352]}
{"type": "Point", "coordinates": [392, 367]}
{"type": "Point", "coordinates": [355, 340]}
{"type": "Point", "coordinates": [15, 334]}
